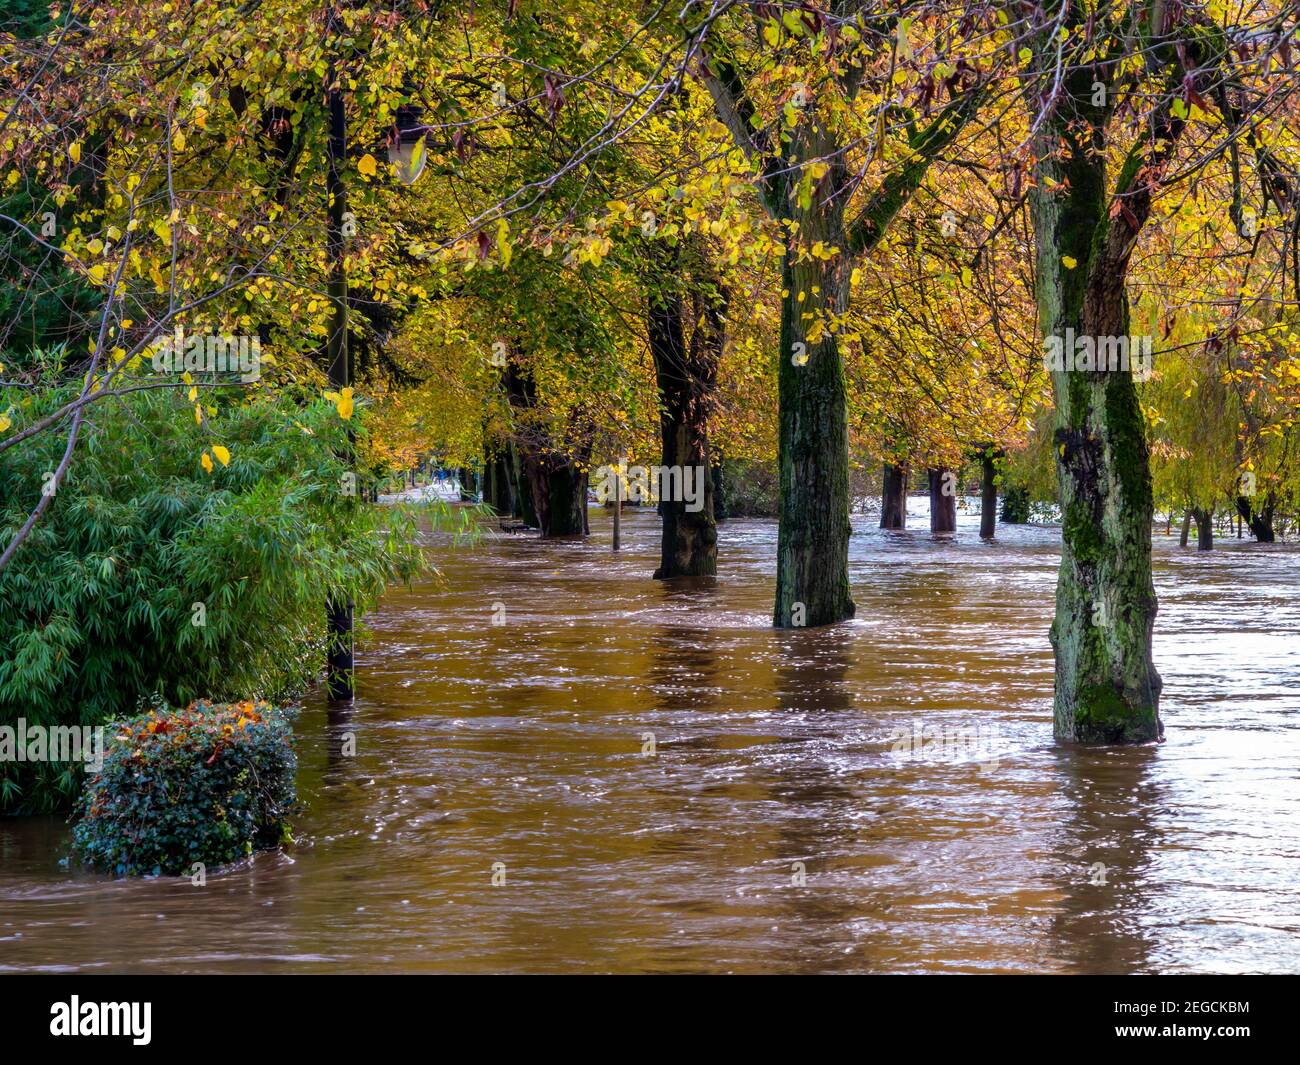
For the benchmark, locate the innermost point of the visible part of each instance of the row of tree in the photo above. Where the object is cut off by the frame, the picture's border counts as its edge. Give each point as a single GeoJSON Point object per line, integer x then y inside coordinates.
{"type": "Point", "coordinates": [1057, 238]}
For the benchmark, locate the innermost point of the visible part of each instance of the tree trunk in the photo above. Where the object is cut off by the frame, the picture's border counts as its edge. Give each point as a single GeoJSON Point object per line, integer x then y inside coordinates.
{"type": "Point", "coordinates": [1260, 521]}
{"type": "Point", "coordinates": [1204, 529]}
{"type": "Point", "coordinates": [498, 490]}
{"type": "Point", "coordinates": [812, 569]}
{"type": "Point", "coordinates": [685, 373]}
{"type": "Point", "coordinates": [559, 491]}
{"type": "Point", "coordinates": [812, 565]}
{"type": "Point", "coordinates": [524, 508]}
{"type": "Point", "coordinates": [943, 501]}
{"type": "Point", "coordinates": [1187, 528]}
{"type": "Point", "coordinates": [553, 478]}
{"type": "Point", "coordinates": [893, 498]}
{"type": "Point", "coordinates": [1107, 687]}
{"type": "Point", "coordinates": [988, 495]}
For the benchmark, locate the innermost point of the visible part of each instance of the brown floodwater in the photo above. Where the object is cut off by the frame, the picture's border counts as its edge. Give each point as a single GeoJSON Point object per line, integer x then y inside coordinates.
{"type": "Point", "coordinates": [670, 785]}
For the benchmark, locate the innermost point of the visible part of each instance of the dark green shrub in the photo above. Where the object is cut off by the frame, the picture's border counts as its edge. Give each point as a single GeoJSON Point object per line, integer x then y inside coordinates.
{"type": "Point", "coordinates": [100, 608]}
{"type": "Point", "coordinates": [750, 488]}
{"type": "Point", "coordinates": [206, 784]}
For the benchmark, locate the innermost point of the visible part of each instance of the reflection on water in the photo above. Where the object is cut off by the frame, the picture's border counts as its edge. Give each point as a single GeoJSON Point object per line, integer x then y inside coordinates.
{"type": "Point", "coordinates": [672, 786]}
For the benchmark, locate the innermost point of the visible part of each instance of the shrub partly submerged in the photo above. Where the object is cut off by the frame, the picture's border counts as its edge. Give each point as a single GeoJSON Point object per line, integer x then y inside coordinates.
{"type": "Point", "coordinates": [210, 783]}
{"type": "Point", "coordinates": [152, 578]}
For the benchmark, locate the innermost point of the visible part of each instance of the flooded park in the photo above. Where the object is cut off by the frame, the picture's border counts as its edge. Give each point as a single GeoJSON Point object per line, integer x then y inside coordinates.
{"type": "Point", "coordinates": [982, 847]}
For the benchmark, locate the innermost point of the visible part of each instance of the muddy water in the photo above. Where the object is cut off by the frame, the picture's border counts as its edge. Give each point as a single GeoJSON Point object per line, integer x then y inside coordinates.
{"type": "Point", "coordinates": [884, 795]}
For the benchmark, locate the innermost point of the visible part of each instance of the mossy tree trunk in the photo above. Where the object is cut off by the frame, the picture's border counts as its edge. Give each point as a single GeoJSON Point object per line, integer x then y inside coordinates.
{"type": "Point", "coordinates": [812, 573]}
{"type": "Point", "coordinates": [893, 497]}
{"type": "Point", "coordinates": [1107, 687]}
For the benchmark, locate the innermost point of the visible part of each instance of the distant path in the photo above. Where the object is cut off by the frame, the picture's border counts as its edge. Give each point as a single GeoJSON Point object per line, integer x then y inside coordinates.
{"type": "Point", "coordinates": [447, 491]}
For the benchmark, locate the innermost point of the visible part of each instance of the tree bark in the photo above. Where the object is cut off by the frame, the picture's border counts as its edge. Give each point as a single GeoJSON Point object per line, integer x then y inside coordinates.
{"type": "Point", "coordinates": [1107, 687]}
{"type": "Point", "coordinates": [1260, 521]}
{"type": "Point", "coordinates": [943, 501]}
{"type": "Point", "coordinates": [893, 498]}
{"type": "Point", "coordinates": [554, 480]}
{"type": "Point", "coordinates": [686, 372]}
{"type": "Point", "coordinates": [988, 495]}
{"type": "Point", "coordinates": [1186, 530]}
{"type": "Point", "coordinates": [812, 574]}
{"type": "Point", "coordinates": [1204, 529]}
{"type": "Point", "coordinates": [340, 680]}
{"type": "Point", "coordinates": [498, 491]}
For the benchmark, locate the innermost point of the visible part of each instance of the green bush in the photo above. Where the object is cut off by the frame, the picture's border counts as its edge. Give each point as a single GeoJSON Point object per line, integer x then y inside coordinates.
{"type": "Point", "coordinates": [206, 784]}
{"type": "Point", "coordinates": [151, 579]}
{"type": "Point", "coordinates": [750, 489]}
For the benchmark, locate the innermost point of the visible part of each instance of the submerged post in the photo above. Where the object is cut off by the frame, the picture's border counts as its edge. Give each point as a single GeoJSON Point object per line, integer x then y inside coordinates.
{"type": "Point", "coordinates": [618, 500]}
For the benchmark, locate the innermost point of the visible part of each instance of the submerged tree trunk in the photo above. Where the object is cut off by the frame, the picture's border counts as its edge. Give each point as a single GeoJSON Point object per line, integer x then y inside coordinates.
{"type": "Point", "coordinates": [498, 488]}
{"type": "Point", "coordinates": [1204, 529]}
{"type": "Point", "coordinates": [1107, 687]}
{"type": "Point", "coordinates": [943, 501]}
{"type": "Point", "coordinates": [1186, 530]}
{"type": "Point", "coordinates": [555, 481]}
{"type": "Point", "coordinates": [559, 491]}
{"type": "Point", "coordinates": [686, 372]}
{"type": "Point", "coordinates": [893, 498]}
{"type": "Point", "coordinates": [988, 495]}
{"type": "Point", "coordinates": [812, 573]}
{"type": "Point", "coordinates": [1260, 521]}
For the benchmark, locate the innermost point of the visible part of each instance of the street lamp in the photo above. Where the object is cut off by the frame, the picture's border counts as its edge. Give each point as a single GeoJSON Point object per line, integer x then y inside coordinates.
{"type": "Point", "coordinates": [406, 149]}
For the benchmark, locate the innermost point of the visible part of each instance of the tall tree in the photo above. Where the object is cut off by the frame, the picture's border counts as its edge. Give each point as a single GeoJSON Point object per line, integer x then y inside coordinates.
{"type": "Point", "coordinates": [807, 180]}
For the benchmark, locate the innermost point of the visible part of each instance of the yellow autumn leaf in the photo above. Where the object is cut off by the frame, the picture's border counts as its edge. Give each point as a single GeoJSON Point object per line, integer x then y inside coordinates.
{"type": "Point", "coordinates": [207, 462]}
{"type": "Point", "coordinates": [345, 404]}
{"type": "Point", "coordinates": [366, 164]}
{"type": "Point", "coordinates": [198, 414]}
{"type": "Point", "coordinates": [74, 151]}
{"type": "Point", "coordinates": [1069, 262]}
{"type": "Point", "coordinates": [222, 453]}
